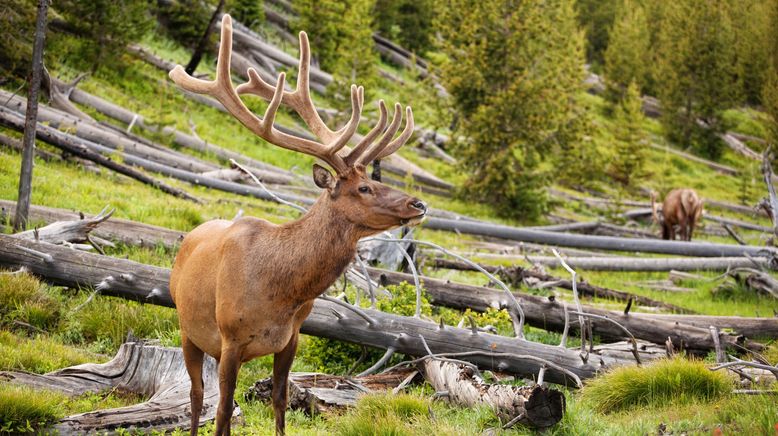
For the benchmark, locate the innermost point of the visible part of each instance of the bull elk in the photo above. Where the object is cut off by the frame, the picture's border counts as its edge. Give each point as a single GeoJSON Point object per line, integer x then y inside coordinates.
{"type": "Point", "coordinates": [243, 288]}
{"type": "Point", "coordinates": [682, 208]}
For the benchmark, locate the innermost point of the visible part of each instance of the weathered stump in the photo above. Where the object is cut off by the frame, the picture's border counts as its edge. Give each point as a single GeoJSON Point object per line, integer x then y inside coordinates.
{"type": "Point", "coordinates": [155, 372]}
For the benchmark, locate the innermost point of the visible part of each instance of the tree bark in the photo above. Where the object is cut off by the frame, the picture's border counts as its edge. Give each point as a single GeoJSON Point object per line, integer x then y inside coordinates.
{"type": "Point", "coordinates": [31, 118]}
{"type": "Point", "coordinates": [65, 231]}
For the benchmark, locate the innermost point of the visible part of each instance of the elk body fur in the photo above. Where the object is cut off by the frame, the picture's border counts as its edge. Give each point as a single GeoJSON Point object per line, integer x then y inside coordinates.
{"type": "Point", "coordinates": [243, 288]}
{"type": "Point", "coordinates": [681, 207]}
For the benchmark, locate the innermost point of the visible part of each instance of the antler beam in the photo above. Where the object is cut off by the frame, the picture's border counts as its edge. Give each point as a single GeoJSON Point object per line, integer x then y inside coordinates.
{"type": "Point", "coordinates": [300, 100]}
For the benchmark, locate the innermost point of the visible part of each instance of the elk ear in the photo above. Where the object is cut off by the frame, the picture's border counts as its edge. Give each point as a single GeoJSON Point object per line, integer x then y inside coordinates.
{"type": "Point", "coordinates": [322, 177]}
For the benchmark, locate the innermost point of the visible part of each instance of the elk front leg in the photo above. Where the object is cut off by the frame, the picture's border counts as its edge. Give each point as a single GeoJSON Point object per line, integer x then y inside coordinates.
{"type": "Point", "coordinates": [229, 365]}
{"type": "Point", "coordinates": [193, 359]}
{"type": "Point", "coordinates": [282, 362]}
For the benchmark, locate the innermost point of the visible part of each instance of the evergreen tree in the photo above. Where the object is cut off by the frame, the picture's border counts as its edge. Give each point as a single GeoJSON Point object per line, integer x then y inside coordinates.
{"type": "Point", "coordinates": [770, 87]}
{"type": "Point", "coordinates": [248, 12]}
{"type": "Point", "coordinates": [185, 22]}
{"type": "Point", "coordinates": [408, 22]}
{"type": "Point", "coordinates": [627, 165]}
{"type": "Point", "coordinates": [695, 72]}
{"type": "Point", "coordinates": [579, 164]}
{"type": "Point", "coordinates": [105, 27]}
{"type": "Point", "coordinates": [751, 28]}
{"type": "Point", "coordinates": [18, 27]}
{"type": "Point", "coordinates": [356, 57]}
{"type": "Point", "coordinates": [323, 21]}
{"type": "Point", "coordinates": [512, 70]}
{"type": "Point", "coordinates": [596, 17]}
{"type": "Point", "coordinates": [627, 55]}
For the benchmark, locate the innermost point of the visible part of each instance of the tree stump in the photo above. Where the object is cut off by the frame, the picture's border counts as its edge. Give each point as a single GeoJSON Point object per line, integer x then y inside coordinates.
{"type": "Point", "coordinates": [157, 373]}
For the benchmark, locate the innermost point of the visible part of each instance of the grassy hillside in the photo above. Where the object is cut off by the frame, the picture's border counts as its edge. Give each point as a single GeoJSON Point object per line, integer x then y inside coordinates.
{"type": "Point", "coordinates": [65, 334]}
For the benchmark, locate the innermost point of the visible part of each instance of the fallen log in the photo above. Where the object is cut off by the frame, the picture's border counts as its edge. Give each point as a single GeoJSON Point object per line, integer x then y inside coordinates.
{"type": "Point", "coordinates": [681, 248]}
{"type": "Point", "coordinates": [76, 147]}
{"type": "Point", "coordinates": [107, 138]}
{"type": "Point", "coordinates": [740, 325]}
{"type": "Point", "coordinates": [151, 371]}
{"type": "Point", "coordinates": [149, 284]}
{"type": "Point", "coordinates": [315, 393]}
{"type": "Point", "coordinates": [15, 144]}
{"type": "Point", "coordinates": [185, 140]}
{"type": "Point", "coordinates": [516, 274]}
{"type": "Point", "coordinates": [549, 314]}
{"type": "Point", "coordinates": [66, 231]}
{"type": "Point", "coordinates": [534, 406]}
{"type": "Point", "coordinates": [724, 169]}
{"type": "Point", "coordinates": [654, 263]}
{"type": "Point", "coordinates": [115, 229]}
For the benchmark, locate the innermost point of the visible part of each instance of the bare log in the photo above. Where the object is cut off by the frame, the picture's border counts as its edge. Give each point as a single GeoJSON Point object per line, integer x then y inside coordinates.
{"type": "Point", "coordinates": [534, 406]}
{"type": "Point", "coordinates": [15, 144]}
{"type": "Point", "coordinates": [132, 280]}
{"type": "Point", "coordinates": [549, 314]}
{"type": "Point", "coordinates": [115, 229]}
{"type": "Point", "coordinates": [724, 169]}
{"type": "Point", "coordinates": [314, 393]}
{"type": "Point", "coordinates": [151, 371]}
{"type": "Point", "coordinates": [516, 274]}
{"type": "Point", "coordinates": [598, 242]}
{"type": "Point", "coordinates": [654, 263]}
{"type": "Point", "coordinates": [72, 145]}
{"type": "Point", "coordinates": [185, 140]}
{"type": "Point", "coordinates": [740, 325]}
{"type": "Point", "coordinates": [66, 231]}
{"type": "Point", "coordinates": [96, 133]}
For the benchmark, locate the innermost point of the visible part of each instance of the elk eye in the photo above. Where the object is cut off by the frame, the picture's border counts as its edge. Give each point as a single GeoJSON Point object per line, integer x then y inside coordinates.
{"type": "Point", "coordinates": [364, 189]}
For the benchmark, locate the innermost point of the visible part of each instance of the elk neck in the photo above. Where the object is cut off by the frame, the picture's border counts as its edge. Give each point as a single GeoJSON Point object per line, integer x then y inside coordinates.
{"type": "Point", "coordinates": [324, 242]}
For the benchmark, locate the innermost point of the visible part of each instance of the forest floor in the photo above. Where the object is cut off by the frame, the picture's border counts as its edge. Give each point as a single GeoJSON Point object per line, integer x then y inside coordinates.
{"type": "Point", "coordinates": [67, 336]}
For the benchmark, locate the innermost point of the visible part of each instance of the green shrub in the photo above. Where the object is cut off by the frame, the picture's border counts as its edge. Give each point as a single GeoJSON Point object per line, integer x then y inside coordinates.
{"type": "Point", "coordinates": [23, 298]}
{"type": "Point", "coordinates": [385, 415]}
{"type": "Point", "coordinates": [676, 381]}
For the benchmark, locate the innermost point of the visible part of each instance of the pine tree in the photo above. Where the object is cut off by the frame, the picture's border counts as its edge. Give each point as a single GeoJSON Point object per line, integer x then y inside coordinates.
{"type": "Point", "coordinates": [105, 27]}
{"type": "Point", "coordinates": [249, 12]}
{"type": "Point", "coordinates": [356, 57]}
{"type": "Point", "coordinates": [512, 70]}
{"type": "Point", "coordinates": [751, 29]}
{"type": "Point", "coordinates": [696, 75]}
{"type": "Point", "coordinates": [628, 162]}
{"type": "Point", "coordinates": [408, 22]}
{"type": "Point", "coordinates": [627, 55]}
{"type": "Point", "coordinates": [18, 28]}
{"type": "Point", "coordinates": [596, 17]}
{"type": "Point", "coordinates": [322, 20]}
{"type": "Point", "coordinates": [770, 87]}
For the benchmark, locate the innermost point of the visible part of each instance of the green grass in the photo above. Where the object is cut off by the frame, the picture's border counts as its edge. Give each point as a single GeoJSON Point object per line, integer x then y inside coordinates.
{"type": "Point", "coordinates": [667, 381]}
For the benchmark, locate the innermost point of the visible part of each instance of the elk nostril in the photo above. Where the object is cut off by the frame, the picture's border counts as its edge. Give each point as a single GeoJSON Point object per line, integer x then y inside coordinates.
{"type": "Point", "coordinates": [418, 204]}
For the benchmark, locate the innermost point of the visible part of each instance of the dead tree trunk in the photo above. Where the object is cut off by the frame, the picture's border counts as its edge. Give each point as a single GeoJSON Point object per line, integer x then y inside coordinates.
{"type": "Point", "coordinates": [151, 371]}
{"type": "Point", "coordinates": [31, 118]}
{"type": "Point", "coordinates": [534, 406]}
{"type": "Point", "coordinates": [66, 231]}
{"type": "Point", "coordinates": [681, 248]}
{"type": "Point", "coordinates": [135, 281]}
{"type": "Point", "coordinates": [549, 314]}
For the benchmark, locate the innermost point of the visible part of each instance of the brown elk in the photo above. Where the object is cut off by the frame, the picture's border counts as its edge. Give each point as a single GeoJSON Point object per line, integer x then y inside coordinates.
{"type": "Point", "coordinates": [682, 208]}
{"type": "Point", "coordinates": [242, 289]}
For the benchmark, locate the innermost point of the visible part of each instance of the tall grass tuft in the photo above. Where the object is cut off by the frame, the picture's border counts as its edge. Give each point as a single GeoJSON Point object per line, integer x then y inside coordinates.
{"type": "Point", "coordinates": [676, 381]}
{"type": "Point", "coordinates": [22, 409]}
{"type": "Point", "coordinates": [385, 415]}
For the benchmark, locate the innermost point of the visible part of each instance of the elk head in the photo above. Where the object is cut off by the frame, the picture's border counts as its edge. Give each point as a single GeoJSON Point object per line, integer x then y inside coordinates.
{"type": "Point", "coordinates": [364, 202]}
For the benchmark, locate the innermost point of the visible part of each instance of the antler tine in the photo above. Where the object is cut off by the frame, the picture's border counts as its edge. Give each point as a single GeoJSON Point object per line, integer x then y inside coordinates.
{"type": "Point", "coordinates": [370, 137]}
{"type": "Point", "coordinates": [272, 108]}
{"type": "Point", "coordinates": [373, 151]}
{"type": "Point", "coordinates": [404, 136]}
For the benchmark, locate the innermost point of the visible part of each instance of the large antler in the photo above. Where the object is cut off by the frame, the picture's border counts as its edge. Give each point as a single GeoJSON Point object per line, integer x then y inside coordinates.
{"type": "Point", "coordinates": [299, 100]}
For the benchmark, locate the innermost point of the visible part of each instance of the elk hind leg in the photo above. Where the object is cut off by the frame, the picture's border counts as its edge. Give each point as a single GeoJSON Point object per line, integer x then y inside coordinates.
{"type": "Point", "coordinates": [282, 363]}
{"type": "Point", "coordinates": [229, 365]}
{"type": "Point", "coordinates": [193, 360]}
